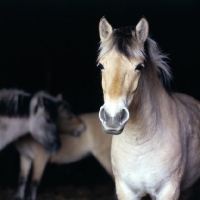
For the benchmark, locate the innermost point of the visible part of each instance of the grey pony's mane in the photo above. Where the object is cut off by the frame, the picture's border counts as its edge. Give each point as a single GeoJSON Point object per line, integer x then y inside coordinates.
{"type": "Point", "coordinates": [124, 41]}
{"type": "Point", "coordinates": [14, 103]}
{"type": "Point", "coordinates": [17, 103]}
{"type": "Point", "coordinates": [158, 60]}
{"type": "Point", "coordinates": [51, 103]}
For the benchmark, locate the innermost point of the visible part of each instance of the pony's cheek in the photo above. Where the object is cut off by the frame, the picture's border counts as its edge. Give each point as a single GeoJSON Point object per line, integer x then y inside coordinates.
{"type": "Point", "coordinates": [135, 85]}
{"type": "Point", "coordinates": [132, 89]}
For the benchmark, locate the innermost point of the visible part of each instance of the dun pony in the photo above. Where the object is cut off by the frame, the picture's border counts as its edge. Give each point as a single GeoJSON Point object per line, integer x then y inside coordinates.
{"type": "Point", "coordinates": [156, 132]}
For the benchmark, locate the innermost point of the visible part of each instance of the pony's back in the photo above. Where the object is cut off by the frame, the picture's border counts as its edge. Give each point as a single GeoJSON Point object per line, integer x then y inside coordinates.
{"type": "Point", "coordinates": [91, 141]}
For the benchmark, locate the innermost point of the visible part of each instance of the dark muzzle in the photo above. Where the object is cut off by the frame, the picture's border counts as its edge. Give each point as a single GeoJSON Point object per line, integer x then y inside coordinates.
{"type": "Point", "coordinates": [113, 125]}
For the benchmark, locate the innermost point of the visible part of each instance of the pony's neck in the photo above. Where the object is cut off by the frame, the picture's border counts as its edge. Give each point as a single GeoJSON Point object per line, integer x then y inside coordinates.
{"type": "Point", "coordinates": [146, 108]}
{"type": "Point", "coordinates": [11, 129]}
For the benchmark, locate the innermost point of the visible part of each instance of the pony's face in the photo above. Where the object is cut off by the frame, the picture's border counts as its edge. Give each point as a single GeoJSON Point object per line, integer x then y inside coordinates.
{"type": "Point", "coordinates": [68, 123]}
{"type": "Point", "coordinates": [43, 118]}
{"type": "Point", "coordinates": [120, 76]}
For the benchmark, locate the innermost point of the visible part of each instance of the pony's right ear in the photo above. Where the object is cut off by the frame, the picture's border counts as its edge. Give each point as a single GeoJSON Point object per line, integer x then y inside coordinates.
{"type": "Point", "coordinates": [105, 29]}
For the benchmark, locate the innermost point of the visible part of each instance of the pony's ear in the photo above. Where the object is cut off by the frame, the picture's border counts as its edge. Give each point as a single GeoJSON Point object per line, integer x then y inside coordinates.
{"type": "Point", "coordinates": [105, 29]}
{"type": "Point", "coordinates": [59, 96]}
{"type": "Point", "coordinates": [142, 30]}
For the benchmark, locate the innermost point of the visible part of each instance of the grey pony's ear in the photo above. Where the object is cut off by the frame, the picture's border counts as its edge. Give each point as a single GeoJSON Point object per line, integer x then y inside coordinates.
{"type": "Point", "coordinates": [142, 30]}
{"type": "Point", "coordinates": [105, 29]}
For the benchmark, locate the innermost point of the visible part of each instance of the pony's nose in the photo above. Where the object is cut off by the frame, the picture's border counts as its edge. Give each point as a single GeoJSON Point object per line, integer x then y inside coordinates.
{"type": "Point", "coordinates": [79, 130]}
{"type": "Point", "coordinates": [119, 119]}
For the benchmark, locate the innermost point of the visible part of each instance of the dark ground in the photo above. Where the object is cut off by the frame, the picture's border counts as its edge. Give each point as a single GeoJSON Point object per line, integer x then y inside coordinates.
{"type": "Point", "coordinates": [83, 180]}
{"type": "Point", "coordinates": [67, 193]}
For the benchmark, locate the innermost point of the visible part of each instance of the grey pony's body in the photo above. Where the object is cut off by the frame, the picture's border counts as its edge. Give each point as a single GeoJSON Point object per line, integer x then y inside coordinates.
{"type": "Point", "coordinates": [22, 113]}
{"type": "Point", "coordinates": [91, 141]}
{"type": "Point", "coordinates": [156, 146]}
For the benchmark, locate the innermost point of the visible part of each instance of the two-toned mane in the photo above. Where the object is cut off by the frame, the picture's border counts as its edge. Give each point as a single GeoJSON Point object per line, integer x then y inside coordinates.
{"type": "Point", "coordinates": [156, 133]}
{"type": "Point", "coordinates": [14, 103]}
{"type": "Point", "coordinates": [125, 42]}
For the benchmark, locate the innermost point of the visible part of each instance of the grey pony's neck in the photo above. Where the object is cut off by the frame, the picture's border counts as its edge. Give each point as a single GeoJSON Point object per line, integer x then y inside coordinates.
{"type": "Point", "coordinates": [146, 111]}
{"type": "Point", "coordinates": [11, 129]}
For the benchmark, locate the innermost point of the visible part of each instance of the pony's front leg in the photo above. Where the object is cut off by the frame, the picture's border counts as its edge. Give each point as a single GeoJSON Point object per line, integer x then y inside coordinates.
{"type": "Point", "coordinates": [124, 192]}
{"type": "Point", "coordinates": [39, 165]}
{"type": "Point", "coordinates": [33, 190]}
{"type": "Point", "coordinates": [170, 191]}
{"type": "Point", "coordinates": [25, 165]}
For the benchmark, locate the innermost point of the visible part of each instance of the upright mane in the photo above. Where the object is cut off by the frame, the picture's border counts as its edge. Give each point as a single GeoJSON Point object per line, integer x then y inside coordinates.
{"type": "Point", "coordinates": [49, 102]}
{"type": "Point", "coordinates": [124, 41]}
{"type": "Point", "coordinates": [14, 103]}
{"type": "Point", "coordinates": [155, 58]}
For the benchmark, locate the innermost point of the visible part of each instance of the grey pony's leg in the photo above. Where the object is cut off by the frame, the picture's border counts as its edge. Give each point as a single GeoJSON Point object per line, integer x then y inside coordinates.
{"type": "Point", "coordinates": [39, 165]}
{"type": "Point", "coordinates": [25, 165]}
{"type": "Point", "coordinates": [33, 190]}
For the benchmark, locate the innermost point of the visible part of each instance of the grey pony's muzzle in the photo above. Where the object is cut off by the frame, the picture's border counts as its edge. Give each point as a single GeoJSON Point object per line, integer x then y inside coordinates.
{"type": "Point", "coordinates": [113, 125]}
{"type": "Point", "coordinates": [52, 146]}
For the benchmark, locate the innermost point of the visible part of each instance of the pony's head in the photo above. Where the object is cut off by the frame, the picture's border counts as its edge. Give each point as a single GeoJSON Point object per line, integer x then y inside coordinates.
{"type": "Point", "coordinates": [122, 60]}
{"type": "Point", "coordinates": [43, 118]}
{"type": "Point", "coordinates": [67, 122]}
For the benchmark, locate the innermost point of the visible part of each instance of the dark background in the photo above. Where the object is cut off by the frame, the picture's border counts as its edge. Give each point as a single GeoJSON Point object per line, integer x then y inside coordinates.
{"type": "Point", "coordinates": [52, 45]}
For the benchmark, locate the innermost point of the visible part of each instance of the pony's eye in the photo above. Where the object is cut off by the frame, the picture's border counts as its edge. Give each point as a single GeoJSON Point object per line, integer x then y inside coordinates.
{"type": "Point", "coordinates": [139, 67]}
{"type": "Point", "coordinates": [100, 66]}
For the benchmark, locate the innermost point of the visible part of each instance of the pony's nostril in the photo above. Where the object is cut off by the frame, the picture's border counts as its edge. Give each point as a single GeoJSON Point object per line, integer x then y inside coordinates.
{"type": "Point", "coordinates": [79, 130]}
{"type": "Point", "coordinates": [124, 116]}
{"type": "Point", "coordinates": [102, 115]}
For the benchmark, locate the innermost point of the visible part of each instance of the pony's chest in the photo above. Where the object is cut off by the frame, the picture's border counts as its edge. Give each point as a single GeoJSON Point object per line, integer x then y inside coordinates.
{"type": "Point", "coordinates": [140, 175]}
{"type": "Point", "coordinates": [139, 172]}
{"type": "Point", "coordinates": [139, 168]}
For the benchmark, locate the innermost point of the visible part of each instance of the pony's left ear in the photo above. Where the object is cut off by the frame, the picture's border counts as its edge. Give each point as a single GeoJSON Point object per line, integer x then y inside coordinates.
{"type": "Point", "coordinates": [105, 29]}
{"type": "Point", "coordinates": [142, 30]}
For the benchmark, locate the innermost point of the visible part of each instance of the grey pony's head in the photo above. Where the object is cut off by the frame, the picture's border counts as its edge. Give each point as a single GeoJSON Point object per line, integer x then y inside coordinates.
{"type": "Point", "coordinates": [43, 120]}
